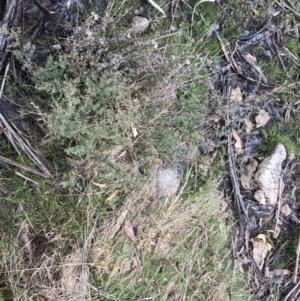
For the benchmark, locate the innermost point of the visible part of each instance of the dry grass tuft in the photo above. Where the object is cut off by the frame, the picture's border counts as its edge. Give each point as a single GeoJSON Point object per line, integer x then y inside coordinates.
{"type": "Point", "coordinates": [51, 277]}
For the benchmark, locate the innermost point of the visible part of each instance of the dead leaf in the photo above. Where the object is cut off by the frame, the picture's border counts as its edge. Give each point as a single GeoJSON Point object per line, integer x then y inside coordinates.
{"type": "Point", "coordinates": [277, 229]}
{"type": "Point", "coordinates": [161, 241]}
{"type": "Point", "coordinates": [111, 196]}
{"type": "Point", "coordinates": [236, 94]}
{"type": "Point", "coordinates": [129, 230]}
{"type": "Point", "coordinates": [251, 57]}
{"type": "Point", "coordinates": [112, 265]}
{"type": "Point", "coordinates": [122, 154]}
{"type": "Point", "coordinates": [262, 118]}
{"type": "Point", "coordinates": [260, 249]}
{"type": "Point", "coordinates": [224, 206]}
{"type": "Point", "coordinates": [142, 243]}
{"type": "Point", "coordinates": [134, 266]}
{"type": "Point", "coordinates": [100, 258]}
{"type": "Point", "coordinates": [249, 126]}
{"type": "Point", "coordinates": [23, 237]}
{"type": "Point", "coordinates": [99, 185]}
{"type": "Point", "coordinates": [206, 276]}
{"type": "Point", "coordinates": [286, 210]}
{"type": "Point", "coordinates": [260, 292]}
{"type": "Point", "coordinates": [176, 296]}
{"type": "Point", "coordinates": [157, 246]}
{"type": "Point", "coordinates": [92, 61]}
{"type": "Point", "coordinates": [276, 13]}
{"type": "Point", "coordinates": [169, 234]}
{"type": "Point", "coordinates": [134, 131]}
{"type": "Point", "coordinates": [238, 142]}
{"type": "Point", "coordinates": [279, 273]}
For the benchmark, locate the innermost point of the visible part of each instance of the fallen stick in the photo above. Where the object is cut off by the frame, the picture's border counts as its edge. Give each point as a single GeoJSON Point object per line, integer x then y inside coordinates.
{"type": "Point", "coordinates": [297, 262]}
{"type": "Point", "coordinates": [11, 162]}
{"type": "Point", "coordinates": [13, 136]}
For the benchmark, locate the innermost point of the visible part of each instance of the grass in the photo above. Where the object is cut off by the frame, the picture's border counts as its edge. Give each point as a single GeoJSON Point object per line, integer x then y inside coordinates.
{"type": "Point", "coordinates": [81, 251]}
{"type": "Point", "coordinates": [279, 132]}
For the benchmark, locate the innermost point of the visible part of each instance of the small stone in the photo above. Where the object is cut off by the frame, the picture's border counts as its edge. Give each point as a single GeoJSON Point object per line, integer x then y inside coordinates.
{"type": "Point", "coordinates": [139, 24]}
{"type": "Point", "coordinates": [268, 177]}
{"type": "Point", "coordinates": [168, 181]}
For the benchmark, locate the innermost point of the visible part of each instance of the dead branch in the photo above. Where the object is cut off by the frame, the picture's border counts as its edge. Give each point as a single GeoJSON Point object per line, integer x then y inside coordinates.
{"type": "Point", "coordinates": [4, 27]}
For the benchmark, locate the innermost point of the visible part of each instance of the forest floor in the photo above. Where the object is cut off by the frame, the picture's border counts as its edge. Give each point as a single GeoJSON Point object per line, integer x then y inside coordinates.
{"type": "Point", "coordinates": [149, 150]}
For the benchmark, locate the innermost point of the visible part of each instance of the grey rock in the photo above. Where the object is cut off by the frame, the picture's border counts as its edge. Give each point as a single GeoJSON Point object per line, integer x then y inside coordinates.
{"type": "Point", "coordinates": [268, 177]}
{"type": "Point", "coordinates": [168, 177]}
{"type": "Point", "coordinates": [168, 181]}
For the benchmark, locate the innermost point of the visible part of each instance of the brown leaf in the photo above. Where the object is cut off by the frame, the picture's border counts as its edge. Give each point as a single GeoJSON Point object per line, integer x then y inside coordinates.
{"type": "Point", "coordinates": [206, 276]}
{"type": "Point", "coordinates": [279, 273]}
{"type": "Point", "coordinates": [129, 230]}
{"type": "Point", "coordinates": [142, 243]}
{"type": "Point", "coordinates": [23, 237]}
{"type": "Point", "coordinates": [262, 118]}
{"type": "Point", "coordinates": [161, 241]}
{"type": "Point", "coordinates": [176, 296]}
{"type": "Point", "coordinates": [99, 258]}
{"type": "Point", "coordinates": [249, 126]}
{"type": "Point", "coordinates": [157, 246]}
{"type": "Point", "coordinates": [111, 196]}
{"type": "Point", "coordinates": [99, 185]}
{"type": "Point", "coordinates": [260, 292]}
{"type": "Point", "coordinates": [122, 154]}
{"type": "Point", "coordinates": [238, 142]}
{"type": "Point", "coordinates": [260, 248]}
{"type": "Point", "coordinates": [134, 266]}
{"type": "Point", "coordinates": [251, 57]}
{"type": "Point", "coordinates": [112, 265]}
{"type": "Point", "coordinates": [286, 210]}
{"type": "Point", "coordinates": [169, 234]}
{"type": "Point", "coordinates": [134, 131]}
{"type": "Point", "coordinates": [236, 94]}
{"type": "Point", "coordinates": [276, 13]}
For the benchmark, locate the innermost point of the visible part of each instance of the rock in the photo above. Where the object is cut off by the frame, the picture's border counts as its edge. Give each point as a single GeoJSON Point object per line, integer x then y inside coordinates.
{"type": "Point", "coordinates": [139, 24]}
{"type": "Point", "coordinates": [168, 181]}
{"type": "Point", "coordinates": [268, 177]}
{"type": "Point", "coordinates": [168, 177]}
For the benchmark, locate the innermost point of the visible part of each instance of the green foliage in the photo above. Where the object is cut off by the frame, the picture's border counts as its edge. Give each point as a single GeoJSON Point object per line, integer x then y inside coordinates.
{"type": "Point", "coordinates": [83, 110]}
{"type": "Point", "coordinates": [277, 133]}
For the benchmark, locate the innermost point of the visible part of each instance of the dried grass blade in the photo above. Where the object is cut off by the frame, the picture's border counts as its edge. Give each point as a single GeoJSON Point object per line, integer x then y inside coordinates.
{"type": "Point", "coordinates": [11, 162]}
{"type": "Point", "coordinates": [12, 135]}
{"type": "Point", "coordinates": [157, 7]}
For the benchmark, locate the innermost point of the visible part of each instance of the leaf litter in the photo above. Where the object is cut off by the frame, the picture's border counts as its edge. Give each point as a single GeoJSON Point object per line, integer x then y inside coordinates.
{"type": "Point", "coordinates": [264, 208]}
{"type": "Point", "coordinates": [129, 231]}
